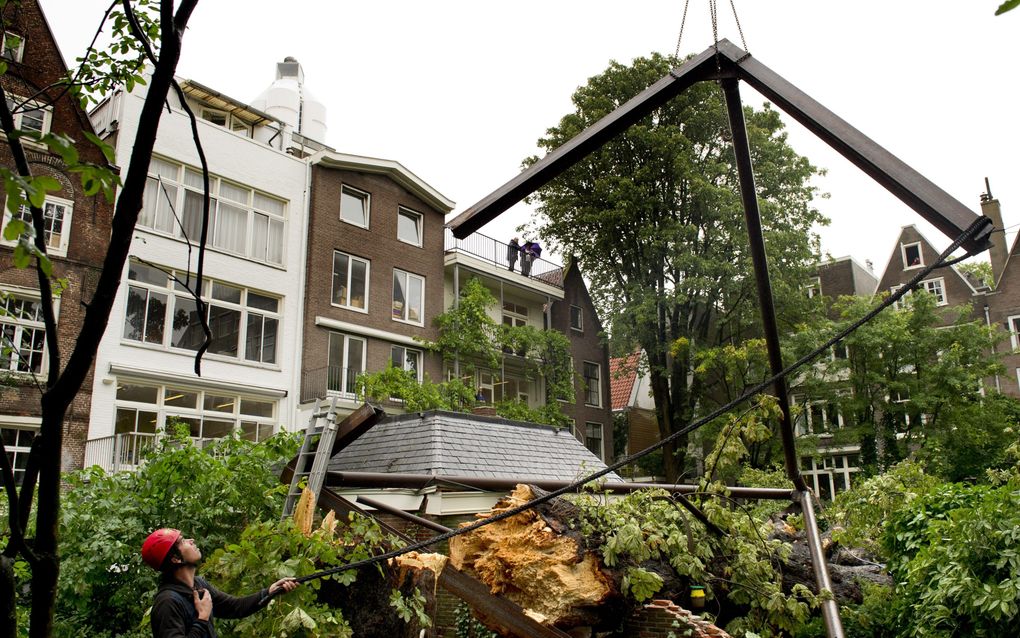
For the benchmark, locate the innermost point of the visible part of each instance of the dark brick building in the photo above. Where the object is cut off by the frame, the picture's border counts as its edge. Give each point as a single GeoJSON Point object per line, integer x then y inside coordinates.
{"type": "Point", "coordinates": [77, 231]}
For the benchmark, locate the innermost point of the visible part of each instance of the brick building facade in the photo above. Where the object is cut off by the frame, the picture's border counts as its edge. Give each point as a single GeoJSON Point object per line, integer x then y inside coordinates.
{"type": "Point", "coordinates": [77, 228]}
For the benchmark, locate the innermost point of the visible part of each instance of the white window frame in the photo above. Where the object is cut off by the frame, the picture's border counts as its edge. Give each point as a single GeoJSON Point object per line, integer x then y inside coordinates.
{"type": "Point", "coordinates": [419, 224]}
{"type": "Point", "coordinates": [514, 314]}
{"type": "Point", "coordinates": [19, 108]}
{"type": "Point", "coordinates": [523, 392]}
{"type": "Point", "coordinates": [60, 248]}
{"type": "Point", "coordinates": [825, 468]}
{"type": "Point", "coordinates": [598, 383]}
{"type": "Point", "coordinates": [170, 180]}
{"type": "Point", "coordinates": [346, 302]}
{"type": "Point", "coordinates": [580, 318]}
{"type": "Point", "coordinates": [13, 331]}
{"type": "Point", "coordinates": [345, 368]}
{"type": "Point", "coordinates": [901, 303]}
{"type": "Point", "coordinates": [173, 292]}
{"type": "Point", "coordinates": [601, 438]}
{"type": "Point", "coordinates": [1013, 325]}
{"type": "Point", "coordinates": [939, 283]}
{"type": "Point", "coordinates": [18, 448]}
{"type": "Point", "coordinates": [404, 311]}
{"type": "Point", "coordinates": [359, 194]}
{"type": "Point", "coordinates": [404, 364]}
{"type": "Point", "coordinates": [920, 255]}
{"type": "Point", "coordinates": [18, 53]}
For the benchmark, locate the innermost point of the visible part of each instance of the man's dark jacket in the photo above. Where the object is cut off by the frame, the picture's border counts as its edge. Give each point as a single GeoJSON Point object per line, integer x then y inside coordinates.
{"type": "Point", "coordinates": [174, 616]}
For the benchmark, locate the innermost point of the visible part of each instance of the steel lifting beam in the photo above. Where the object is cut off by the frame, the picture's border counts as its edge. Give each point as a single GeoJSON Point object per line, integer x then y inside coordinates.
{"type": "Point", "coordinates": [726, 60]}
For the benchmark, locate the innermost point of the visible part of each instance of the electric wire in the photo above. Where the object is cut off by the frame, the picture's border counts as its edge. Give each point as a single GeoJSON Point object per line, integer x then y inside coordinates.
{"type": "Point", "coordinates": [975, 227]}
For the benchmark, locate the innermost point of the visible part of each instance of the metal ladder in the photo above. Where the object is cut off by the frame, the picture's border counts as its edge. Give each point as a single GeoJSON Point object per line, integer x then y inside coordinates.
{"type": "Point", "coordinates": [315, 452]}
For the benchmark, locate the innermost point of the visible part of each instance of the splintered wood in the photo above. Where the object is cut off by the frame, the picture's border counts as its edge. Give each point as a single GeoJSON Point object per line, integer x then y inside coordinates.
{"type": "Point", "coordinates": [524, 559]}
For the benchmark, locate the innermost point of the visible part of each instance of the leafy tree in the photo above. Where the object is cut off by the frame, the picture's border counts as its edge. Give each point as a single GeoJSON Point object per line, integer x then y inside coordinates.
{"type": "Point", "coordinates": [143, 32]}
{"type": "Point", "coordinates": [469, 337]}
{"type": "Point", "coordinates": [980, 270]}
{"type": "Point", "coordinates": [1008, 5]}
{"type": "Point", "coordinates": [907, 383]}
{"type": "Point", "coordinates": [655, 219]}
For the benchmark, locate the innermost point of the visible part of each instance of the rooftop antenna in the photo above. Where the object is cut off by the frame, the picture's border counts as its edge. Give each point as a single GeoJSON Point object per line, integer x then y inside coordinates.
{"type": "Point", "coordinates": [987, 195]}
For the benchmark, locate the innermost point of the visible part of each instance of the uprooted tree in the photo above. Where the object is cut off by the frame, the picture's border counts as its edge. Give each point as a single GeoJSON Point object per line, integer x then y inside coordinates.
{"type": "Point", "coordinates": [144, 32]}
{"type": "Point", "coordinates": [654, 218]}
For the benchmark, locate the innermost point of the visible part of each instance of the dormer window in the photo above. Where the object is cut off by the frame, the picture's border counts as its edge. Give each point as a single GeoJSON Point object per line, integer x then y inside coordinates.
{"type": "Point", "coordinates": [28, 116]}
{"type": "Point", "coordinates": [13, 47]}
{"type": "Point", "coordinates": [226, 120]}
{"type": "Point", "coordinates": [912, 257]}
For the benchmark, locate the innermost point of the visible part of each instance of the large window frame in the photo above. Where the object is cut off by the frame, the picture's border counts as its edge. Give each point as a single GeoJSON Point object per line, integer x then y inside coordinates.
{"type": "Point", "coordinates": [57, 215]}
{"type": "Point", "coordinates": [1013, 325]}
{"type": "Point", "coordinates": [593, 438]}
{"type": "Point", "coordinates": [12, 47]}
{"type": "Point", "coordinates": [22, 333]}
{"type": "Point", "coordinates": [342, 372]}
{"type": "Point", "coordinates": [345, 285]}
{"type": "Point", "coordinates": [406, 216]}
{"type": "Point", "coordinates": [912, 259]}
{"type": "Point", "coordinates": [936, 287]}
{"type": "Point", "coordinates": [403, 304]}
{"type": "Point", "coordinates": [348, 196]}
{"type": "Point", "coordinates": [246, 323]}
{"type": "Point", "coordinates": [30, 116]}
{"type": "Point", "coordinates": [592, 384]}
{"type": "Point", "coordinates": [18, 443]}
{"type": "Point", "coordinates": [831, 474]}
{"type": "Point", "coordinates": [409, 359]}
{"type": "Point", "coordinates": [576, 318]}
{"type": "Point", "coordinates": [243, 221]}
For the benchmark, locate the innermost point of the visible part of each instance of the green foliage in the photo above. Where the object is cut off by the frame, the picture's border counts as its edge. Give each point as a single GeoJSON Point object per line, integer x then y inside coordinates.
{"type": "Point", "coordinates": [211, 494]}
{"type": "Point", "coordinates": [122, 62]}
{"type": "Point", "coordinates": [742, 566]}
{"type": "Point", "coordinates": [401, 384]}
{"type": "Point", "coordinates": [1008, 5]}
{"type": "Point", "coordinates": [980, 270]}
{"type": "Point", "coordinates": [955, 557]}
{"type": "Point", "coordinates": [654, 217]}
{"type": "Point", "coordinates": [466, 330]}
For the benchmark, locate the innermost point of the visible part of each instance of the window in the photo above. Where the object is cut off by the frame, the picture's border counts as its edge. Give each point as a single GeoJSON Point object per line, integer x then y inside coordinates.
{"type": "Point", "coordinates": [409, 226]}
{"type": "Point", "coordinates": [346, 362]}
{"type": "Point", "coordinates": [244, 323]}
{"type": "Point", "coordinates": [354, 206]}
{"type": "Point", "coordinates": [242, 221]}
{"type": "Point", "coordinates": [28, 116]}
{"type": "Point", "coordinates": [593, 438]}
{"type": "Point", "coordinates": [408, 297]}
{"type": "Point", "coordinates": [901, 303]}
{"type": "Point", "coordinates": [13, 48]}
{"type": "Point", "coordinates": [840, 351]}
{"type": "Point", "coordinates": [143, 409]}
{"type": "Point", "coordinates": [22, 334]}
{"type": "Point", "coordinates": [514, 314]}
{"type": "Point", "coordinates": [56, 224]}
{"type": "Point", "coordinates": [486, 387]}
{"type": "Point", "coordinates": [813, 288]}
{"type": "Point", "coordinates": [816, 417]}
{"type": "Point", "coordinates": [226, 120]}
{"type": "Point", "coordinates": [350, 281]}
{"type": "Point", "coordinates": [219, 118]}
{"type": "Point", "coordinates": [592, 384]}
{"type": "Point", "coordinates": [18, 443]}
{"type": "Point", "coordinates": [912, 257]}
{"type": "Point", "coordinates": [830, 475]}
{"type": "Point", "coordinates": [1013, 325]}
{"type": "Point", "coordinates": [513, 389]}
{"type": "Point", "coordinates": [937, 288]}
{"type": "Point", "coordinates": [406, 359]}
{"type": "Point", "coordinates": [576, 318]}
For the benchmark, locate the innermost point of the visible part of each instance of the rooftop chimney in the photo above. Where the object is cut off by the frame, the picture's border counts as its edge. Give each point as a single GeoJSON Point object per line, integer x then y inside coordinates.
{"type": "Point", "coordinates": [997, 253]}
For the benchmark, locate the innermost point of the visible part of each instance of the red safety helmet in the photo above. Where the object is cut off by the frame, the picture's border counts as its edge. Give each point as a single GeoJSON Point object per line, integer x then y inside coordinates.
{"type": "Point", "coordinates": [158, 545]}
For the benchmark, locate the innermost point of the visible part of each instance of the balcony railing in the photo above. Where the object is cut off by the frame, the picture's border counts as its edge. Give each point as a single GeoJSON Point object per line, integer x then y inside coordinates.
{"type": "Point", "coordinates": [329, 381]}
{"type": "Point", "coordinates": [495, 252]}
{"type": "Point", "coordinates": [123, 451]}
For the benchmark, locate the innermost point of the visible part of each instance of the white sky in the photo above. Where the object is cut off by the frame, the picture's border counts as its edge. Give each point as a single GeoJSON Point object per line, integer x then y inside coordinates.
{"type": "Point", "coordinates": [459, 91]}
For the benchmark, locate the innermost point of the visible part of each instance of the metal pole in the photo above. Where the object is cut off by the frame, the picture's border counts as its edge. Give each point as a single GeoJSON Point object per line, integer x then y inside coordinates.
{"type": "Point", "coordinates": [752, 215]}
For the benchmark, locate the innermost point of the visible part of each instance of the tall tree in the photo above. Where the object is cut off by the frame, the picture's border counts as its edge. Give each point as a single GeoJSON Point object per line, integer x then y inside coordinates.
{"type": "Point", "coordinates": [145, 32]}
{"type": "Point", "coordinates": [656, 221]}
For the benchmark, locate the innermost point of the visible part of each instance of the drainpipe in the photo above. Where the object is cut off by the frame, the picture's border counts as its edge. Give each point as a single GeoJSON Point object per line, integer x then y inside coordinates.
{"type": "Point", "coordinates": [456, 302]}
{"type": "Point", "coordinates": [988, 322]}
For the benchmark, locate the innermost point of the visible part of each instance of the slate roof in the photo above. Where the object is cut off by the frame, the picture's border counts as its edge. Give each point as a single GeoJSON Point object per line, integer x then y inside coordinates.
{"type": "Point", "coordinates": [456, 444]}
{"type": "Point", "coordinates": [622, 375]}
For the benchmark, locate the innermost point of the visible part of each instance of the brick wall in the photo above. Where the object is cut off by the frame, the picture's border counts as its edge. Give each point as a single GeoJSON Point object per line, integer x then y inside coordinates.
{"type": "Point", "coordinates": [89, 228]}
{"type": "Point", "coordinates": [663, 618]}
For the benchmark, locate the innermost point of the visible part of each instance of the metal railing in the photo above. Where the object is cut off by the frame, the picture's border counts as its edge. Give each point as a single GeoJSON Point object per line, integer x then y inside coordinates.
{"type": "Point", "coordinates": [329, 381]}
{"type": "Point", "coordinates": [124, 451]}
{"type": "Point", "coordinates": [496, 252]}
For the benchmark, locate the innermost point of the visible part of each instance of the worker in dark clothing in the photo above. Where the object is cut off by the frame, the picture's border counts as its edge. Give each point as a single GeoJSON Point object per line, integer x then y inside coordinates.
{"type": "Point", "coordinates": [513, 249]}
{"type": "Point", "coordinates": [185, 602]}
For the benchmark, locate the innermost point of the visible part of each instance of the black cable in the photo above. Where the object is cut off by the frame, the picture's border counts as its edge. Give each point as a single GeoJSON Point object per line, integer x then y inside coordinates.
{"type": "Point", "coordinates": [971, 231]}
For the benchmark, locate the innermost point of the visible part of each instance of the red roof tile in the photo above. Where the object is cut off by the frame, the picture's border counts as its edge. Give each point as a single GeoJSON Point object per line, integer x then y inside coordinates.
{"type": "Point", "coordinates": [622, 374]}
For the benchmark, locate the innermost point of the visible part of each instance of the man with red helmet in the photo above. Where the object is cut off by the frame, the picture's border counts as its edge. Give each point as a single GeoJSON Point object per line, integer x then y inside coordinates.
{"type": "Point", "coordinates": [184, 603]}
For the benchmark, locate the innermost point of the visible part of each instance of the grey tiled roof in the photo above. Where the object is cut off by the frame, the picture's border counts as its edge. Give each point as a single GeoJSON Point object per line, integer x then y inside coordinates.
{"type": "Point", "coordinates": [454, 444]}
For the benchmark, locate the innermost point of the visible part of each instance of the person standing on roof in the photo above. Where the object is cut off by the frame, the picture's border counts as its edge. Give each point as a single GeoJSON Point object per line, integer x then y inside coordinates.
{"type": "Point", "coordinates": [184, 602]}
{"type": "Point", "coordinates": [527, 256]}
{"type": "Point", "coordinates": [513, 249]}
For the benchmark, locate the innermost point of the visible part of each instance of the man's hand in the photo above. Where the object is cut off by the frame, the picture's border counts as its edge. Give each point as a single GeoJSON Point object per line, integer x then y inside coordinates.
{"type": "Point", "coordinates": [203, 604]}
{"type": "Point", "coordinates": [286, 584]}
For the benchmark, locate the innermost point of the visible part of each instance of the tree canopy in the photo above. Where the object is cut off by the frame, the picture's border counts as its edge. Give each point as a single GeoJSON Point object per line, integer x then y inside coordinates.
{"type": "Point", "coordinates": [655, 219]}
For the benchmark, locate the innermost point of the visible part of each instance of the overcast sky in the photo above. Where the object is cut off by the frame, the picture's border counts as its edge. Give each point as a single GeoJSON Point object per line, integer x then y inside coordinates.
{"type": "Point", "coordinates": [460, 91]}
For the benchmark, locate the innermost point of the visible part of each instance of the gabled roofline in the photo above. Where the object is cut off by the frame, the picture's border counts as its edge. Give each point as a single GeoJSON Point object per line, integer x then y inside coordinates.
{"type": "Point", "coordinates": [393, 169]}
